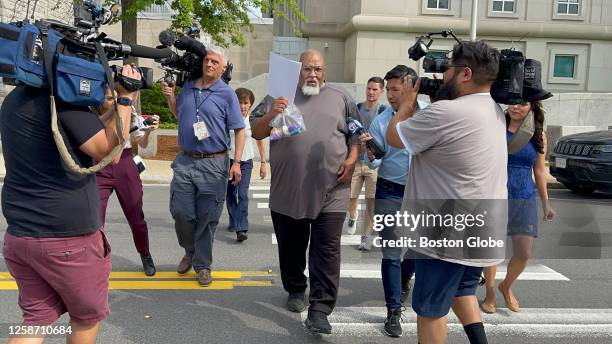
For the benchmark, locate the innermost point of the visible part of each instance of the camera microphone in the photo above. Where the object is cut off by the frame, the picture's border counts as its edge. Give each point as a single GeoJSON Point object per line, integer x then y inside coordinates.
{"type": "Point", "coordinates": [356, 128]}
{"type": "Point", "coordinates": [191, 45]}
{"type": "Point", "coordinates": [150, 53]}
{"type": "Point", "coordinates": [166, 38]}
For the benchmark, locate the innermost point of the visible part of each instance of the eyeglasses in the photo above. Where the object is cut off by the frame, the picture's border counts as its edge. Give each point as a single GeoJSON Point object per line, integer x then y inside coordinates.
{"type": "Point", "coordinates": [316, 69]}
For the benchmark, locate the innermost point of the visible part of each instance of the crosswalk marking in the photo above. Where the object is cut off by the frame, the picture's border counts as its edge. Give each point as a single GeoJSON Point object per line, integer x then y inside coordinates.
{"type": "Point", "coordinates": [529, 322]}
{"type": "Point", "coordinates": [264, 205]}
{"type": "Point", "coordinates": [345, 240]}
{"type": "Point", "coordinates": [536, 272]}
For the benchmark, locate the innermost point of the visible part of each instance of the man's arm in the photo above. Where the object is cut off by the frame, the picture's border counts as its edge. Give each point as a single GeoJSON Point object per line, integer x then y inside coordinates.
{"type": "Point", "coordinates": [103, 142]}
{"type": "Point", "coordinates": [260, 126]}
{"type": "Point", "coordinates": [406, 110]}
{"type": "Point", "coordinates": [261, 147]}
{"type": "Point", "coordinates": [168, 92]}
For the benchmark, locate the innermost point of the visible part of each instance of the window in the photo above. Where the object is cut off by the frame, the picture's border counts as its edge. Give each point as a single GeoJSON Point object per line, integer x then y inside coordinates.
{"type": "Point", "coordinates": [565, 66]}
{"type": "Point", "coordinates": [568, 7]}
{"type": "Point", "coordinates": [506, 6]}
{"type": "Point", "coordinates": [437, 4]}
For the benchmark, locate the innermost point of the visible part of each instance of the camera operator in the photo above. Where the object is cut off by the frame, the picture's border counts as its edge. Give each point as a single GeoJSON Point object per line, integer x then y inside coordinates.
{"type": "Point", "coordinates": [124, 178]}
{"type": "Point", "coordinates": [54, 245]}
{"type": "Point", "coordinates": [207, 109]}
{"type": "Point", "coordinates": [458, 149]}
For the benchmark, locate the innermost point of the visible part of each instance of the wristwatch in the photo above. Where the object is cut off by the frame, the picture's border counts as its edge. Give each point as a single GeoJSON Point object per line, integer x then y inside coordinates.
{"type": "Point", "coordinates": [125, 101]}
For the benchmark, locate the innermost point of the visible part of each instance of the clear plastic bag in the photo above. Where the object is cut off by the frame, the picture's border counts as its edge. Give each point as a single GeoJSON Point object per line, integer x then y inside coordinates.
{"type": "Point", "coordinates": [288, 123]}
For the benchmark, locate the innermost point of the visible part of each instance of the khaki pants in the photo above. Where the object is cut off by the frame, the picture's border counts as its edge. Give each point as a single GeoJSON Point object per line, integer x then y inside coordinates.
{"type": "Point", "coordinates": [363, 175]}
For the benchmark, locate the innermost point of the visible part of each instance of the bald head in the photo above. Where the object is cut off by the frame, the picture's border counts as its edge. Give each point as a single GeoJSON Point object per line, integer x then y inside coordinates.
{"type": "Point", "coordinates": [312, 54]}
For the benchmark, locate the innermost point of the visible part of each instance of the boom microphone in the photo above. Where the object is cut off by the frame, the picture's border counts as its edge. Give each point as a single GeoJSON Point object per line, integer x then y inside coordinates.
{"type": "Point", "coordinates": [191, 45]}
{"type": "Point", "coordinates": [150, 53]}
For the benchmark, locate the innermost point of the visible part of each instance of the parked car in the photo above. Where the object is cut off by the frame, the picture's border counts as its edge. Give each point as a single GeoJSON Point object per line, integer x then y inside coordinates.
{"type": "Point", "coordinates": [583, 162]}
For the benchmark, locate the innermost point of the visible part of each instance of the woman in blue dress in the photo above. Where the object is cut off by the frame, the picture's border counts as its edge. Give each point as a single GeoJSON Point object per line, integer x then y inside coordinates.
{"type": "Point", "coordinates": [522, 205]}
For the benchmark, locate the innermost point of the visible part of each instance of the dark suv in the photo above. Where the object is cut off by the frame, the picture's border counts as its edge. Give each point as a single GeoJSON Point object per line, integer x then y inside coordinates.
{"type": "Point", "coordinates": [583, 162]}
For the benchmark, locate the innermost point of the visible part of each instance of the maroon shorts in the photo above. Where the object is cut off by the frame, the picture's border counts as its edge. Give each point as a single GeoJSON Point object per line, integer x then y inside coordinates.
{"type": "Point", "coordinates": [58, 275]}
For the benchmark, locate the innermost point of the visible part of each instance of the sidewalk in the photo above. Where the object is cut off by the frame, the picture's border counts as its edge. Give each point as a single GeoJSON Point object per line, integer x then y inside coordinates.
{"type": "Point", "coordinates": [159, 172]}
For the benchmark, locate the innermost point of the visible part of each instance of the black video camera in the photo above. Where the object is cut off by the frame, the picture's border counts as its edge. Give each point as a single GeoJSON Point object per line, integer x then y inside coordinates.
{"type": "Point", "coordinates": [507, 88]}
{"type": "Point", "coordinates": [188, 66]}
{"type": "Point", "coordinates": [145, 82]}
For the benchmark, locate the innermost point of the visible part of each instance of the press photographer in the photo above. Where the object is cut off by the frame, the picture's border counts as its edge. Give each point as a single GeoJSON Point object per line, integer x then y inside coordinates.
{"type": "Point", "coordinates": [41, 199]}
{"type": "Point", "coordinates": [458, 149]}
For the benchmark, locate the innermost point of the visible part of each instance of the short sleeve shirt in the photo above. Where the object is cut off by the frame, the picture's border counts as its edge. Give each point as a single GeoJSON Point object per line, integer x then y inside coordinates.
{"type": "Point", "coordinates": [458, 151]}
{"type": "Point", "coordinates": [304, 167]}
{"type": "Point", "coordinates": [41, 197]}
{"type": "Point", "coordinates": [216, 106]}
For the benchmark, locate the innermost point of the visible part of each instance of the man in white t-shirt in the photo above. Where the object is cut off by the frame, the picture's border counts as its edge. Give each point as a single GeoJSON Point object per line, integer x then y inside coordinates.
{"type": "Point", "coordinates": [459, 155]}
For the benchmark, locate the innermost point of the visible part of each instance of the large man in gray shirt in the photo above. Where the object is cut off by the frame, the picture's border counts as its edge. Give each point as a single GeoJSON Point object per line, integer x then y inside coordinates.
{"type": "Point", "coordinates": [309, 192]}
{"type": "Point", "coordinates": [459, 155]}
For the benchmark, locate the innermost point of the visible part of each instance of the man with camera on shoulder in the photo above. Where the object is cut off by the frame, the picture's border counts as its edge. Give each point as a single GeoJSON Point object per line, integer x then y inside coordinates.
{"type": "Point", "coordinates": [207, 109]}
{"type": "Point", "coordinates": [54, 245]}
{"type": "Point", "coordinates": [458, 149]}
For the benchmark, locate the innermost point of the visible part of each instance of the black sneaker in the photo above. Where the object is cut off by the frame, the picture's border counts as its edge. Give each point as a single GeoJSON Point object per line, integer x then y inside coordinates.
{"type": "Point", "coordinates": [241, 236]}
{"type": "Point", "coordinates": [295, 303]}
{"type": "Point", "coordinates": [147, 265]}
{"type": "Point", "coordinates": [317, 322]}
{"type": "Point", "coordinates": [393, 326]}
{"type": "Point", "coordinates": [405, 292]}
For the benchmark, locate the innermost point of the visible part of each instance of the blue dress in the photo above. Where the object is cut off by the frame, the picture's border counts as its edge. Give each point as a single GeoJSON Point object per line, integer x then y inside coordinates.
{"type": "Point", "coordinates": [522, 205]}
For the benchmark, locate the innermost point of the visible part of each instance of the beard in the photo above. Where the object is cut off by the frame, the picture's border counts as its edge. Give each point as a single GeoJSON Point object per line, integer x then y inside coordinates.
{"type": "Point", "coordinates": [448, 91]}
{"type": "Point", "coordinates": [311, 90]}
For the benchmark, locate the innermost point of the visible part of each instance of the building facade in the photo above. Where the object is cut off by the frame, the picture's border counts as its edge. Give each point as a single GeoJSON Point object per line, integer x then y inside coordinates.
{"type": "Point", "coordinates": [361, 38]}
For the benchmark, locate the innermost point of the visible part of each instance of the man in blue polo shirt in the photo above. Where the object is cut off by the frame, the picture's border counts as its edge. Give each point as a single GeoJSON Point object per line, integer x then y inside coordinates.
{"type": "Point", "coordinates": [392, 174]}
{"type": "Point", "coordinates": [207, 109]}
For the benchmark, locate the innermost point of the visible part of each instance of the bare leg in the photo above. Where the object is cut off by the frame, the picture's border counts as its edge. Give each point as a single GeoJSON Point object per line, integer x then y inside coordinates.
{"type": "Point", "coordinates": [521, 247]}
{"type": "Point", "coordinates": [20, 340]}
{"type": "Point", "coordinates": [367, 229]}
{"type": "Point", "coordinates": [83, 334]}
{"type": "Point", "coordinates": [431, 330]}
{"type": "Point", "coordinates": [489, 302]}
{"type": "Point", "coordinates": [353, 208]}
{"type": "Point", "coordinates": [466, 309]}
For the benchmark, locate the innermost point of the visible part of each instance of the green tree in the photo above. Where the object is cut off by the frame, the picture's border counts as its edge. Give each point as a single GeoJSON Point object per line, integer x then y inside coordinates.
{"type": "Point", "coordinates": [224, 20]}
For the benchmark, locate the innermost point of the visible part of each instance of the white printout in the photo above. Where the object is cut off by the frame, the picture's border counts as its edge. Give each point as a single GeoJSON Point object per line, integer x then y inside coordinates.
{"type": "Point", "coordinates": [283, 77]}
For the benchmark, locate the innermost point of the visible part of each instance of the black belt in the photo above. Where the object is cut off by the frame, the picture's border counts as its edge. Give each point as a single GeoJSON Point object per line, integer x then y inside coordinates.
{"type": "Point", "coordinates": [198, 155]}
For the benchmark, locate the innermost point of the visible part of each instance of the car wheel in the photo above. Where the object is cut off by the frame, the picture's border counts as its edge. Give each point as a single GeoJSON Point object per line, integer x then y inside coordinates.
{"type": "Point", "coordinates": [579, 189]}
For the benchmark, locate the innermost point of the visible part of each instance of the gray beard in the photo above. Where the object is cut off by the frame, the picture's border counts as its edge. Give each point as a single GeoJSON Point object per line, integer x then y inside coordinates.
{"type": "Point", "coordinates": [311, 90]}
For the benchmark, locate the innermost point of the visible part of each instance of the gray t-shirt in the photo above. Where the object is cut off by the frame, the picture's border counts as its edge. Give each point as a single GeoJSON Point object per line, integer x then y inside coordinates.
{"type": "Point", "coordinates": [366, 116]}
{"type": "Point", "coordinates": [304, 167]}
{"type": "Point", "coordinates": [458, 151]}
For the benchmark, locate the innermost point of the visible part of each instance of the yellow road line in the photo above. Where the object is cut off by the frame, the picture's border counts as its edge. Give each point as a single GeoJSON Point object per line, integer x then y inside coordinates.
{"type": "Point", "coordinates": [10, 285]}
{"type": "Point", "coordinates": [165, 285]}
{"type": "Point", "coordinates": [174, 275]}
{"type": "Point", "coordinates": [169, 285]}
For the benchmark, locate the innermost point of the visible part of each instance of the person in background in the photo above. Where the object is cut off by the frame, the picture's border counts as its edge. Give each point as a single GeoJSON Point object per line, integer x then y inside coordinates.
{"type": "Point", "coordinates": [365, 175]}
{"type": "Point", "coordinates": [124, 178]}
{"type": "Point", "coordinates": [529, 161]}
{"type": "Point", "coordinates": [237, 199]}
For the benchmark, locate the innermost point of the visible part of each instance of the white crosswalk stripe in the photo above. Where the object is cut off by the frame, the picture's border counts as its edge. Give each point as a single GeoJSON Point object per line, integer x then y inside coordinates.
{"type": "Point", "coordinates": [528, 323]}
{"type": "Point", "coordinates": [535, 272]}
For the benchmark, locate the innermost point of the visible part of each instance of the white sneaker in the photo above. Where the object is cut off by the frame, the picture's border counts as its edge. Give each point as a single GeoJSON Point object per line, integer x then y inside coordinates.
{"type": "Point", "coordinates": [352, 224]}
{"type": "Point", "coordinates": [366, 244]}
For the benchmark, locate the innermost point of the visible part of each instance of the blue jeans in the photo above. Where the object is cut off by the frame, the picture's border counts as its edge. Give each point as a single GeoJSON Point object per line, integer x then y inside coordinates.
{"type": "Point", "coordinates": [394, 271]}
{"type": "Point", "coordinates": [238, 198]}
{"type": "Point", "coordinates": [197, 192]}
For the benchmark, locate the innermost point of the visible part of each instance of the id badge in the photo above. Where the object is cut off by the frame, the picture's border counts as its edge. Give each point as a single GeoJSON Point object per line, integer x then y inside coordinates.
{"type": "Point", "coordinates": [200, 130]}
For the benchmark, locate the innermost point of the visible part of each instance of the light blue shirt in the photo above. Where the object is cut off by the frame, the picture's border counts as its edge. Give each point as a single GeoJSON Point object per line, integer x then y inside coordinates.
{"type": "Point", "coordinates": [395, 164]}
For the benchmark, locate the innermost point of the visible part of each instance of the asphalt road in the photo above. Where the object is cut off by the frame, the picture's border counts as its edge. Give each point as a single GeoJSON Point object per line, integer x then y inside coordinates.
{"type": "Point", "coordinates": [566, 294]}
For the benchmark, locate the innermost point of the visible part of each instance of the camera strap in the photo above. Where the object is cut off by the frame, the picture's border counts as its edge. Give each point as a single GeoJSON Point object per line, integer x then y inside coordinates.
{"type": "Point", "coordinates": [522, 135]}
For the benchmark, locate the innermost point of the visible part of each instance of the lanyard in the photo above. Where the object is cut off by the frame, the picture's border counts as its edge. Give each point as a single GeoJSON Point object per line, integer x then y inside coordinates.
{"type": "Point", "coordinates": [195, 100]}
